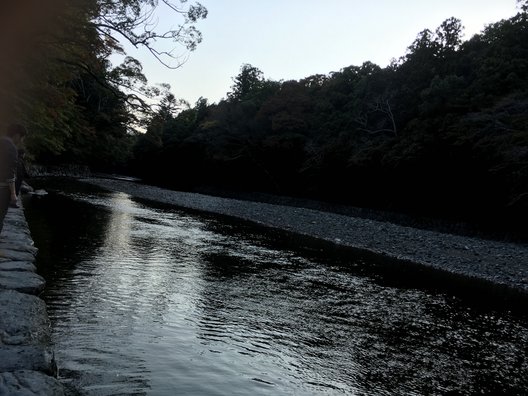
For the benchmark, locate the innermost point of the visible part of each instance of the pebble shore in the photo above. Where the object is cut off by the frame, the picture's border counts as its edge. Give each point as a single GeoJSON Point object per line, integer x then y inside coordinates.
{"type": "Point", "coordinates": [497, 264]}
{"type": "Point", "coordinates": [27, 364]}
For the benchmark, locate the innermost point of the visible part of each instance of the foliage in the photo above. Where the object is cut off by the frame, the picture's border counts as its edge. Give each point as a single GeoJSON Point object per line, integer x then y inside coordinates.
{"type": "Point", "coordinates": [58, 80]}
{"type": "Point", "coordinates": [442, 131]}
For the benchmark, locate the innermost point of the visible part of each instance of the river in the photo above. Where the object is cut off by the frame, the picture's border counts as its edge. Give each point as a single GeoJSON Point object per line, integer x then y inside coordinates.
{"type": "Point", "coordinates": [148, 299]}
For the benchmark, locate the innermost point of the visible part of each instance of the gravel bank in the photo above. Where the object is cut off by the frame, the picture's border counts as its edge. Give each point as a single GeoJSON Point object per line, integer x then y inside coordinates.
{"type": "Point", "coordinates": [497, 263]}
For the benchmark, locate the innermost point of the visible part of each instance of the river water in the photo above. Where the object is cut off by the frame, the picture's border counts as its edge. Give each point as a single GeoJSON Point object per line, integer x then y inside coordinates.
{"type": "Point", "coordinates": [147, 299]}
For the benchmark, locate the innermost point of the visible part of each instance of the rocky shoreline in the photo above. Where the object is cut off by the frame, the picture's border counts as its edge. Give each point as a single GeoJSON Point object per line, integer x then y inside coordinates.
{"type": "Point", "coordinates": [27, 363]}
{"type": "Point", "coordinates": [501, 265]}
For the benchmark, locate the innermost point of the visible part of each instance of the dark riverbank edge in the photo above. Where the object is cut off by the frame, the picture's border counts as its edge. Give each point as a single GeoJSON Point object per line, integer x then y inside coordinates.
{"type": "Point", "coordinates": [27, 363]}
{"type": "Point", "coordinates": [491, 268]}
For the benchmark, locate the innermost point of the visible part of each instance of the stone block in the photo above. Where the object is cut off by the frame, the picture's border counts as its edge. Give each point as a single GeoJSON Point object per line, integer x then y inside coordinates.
{"type": "Point", "coordinates": [24, 282]}
{"type": "Point", "coordinates": [29, 383]}
{"type": "Point", "coordinates": [15, 255]}
{"type": "Point", "coordinates": [17, 266]}
{"type": "Point", "coordinates": [27, 357]}
{"type": "Point", "coordinates": [23, 319]}
{"type": "Point", "coordinates": [7, 245]}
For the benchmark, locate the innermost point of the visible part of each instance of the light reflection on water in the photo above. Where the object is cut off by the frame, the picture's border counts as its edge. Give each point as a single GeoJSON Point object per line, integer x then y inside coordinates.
{"type": "Point", "coordinates": [152, 300]}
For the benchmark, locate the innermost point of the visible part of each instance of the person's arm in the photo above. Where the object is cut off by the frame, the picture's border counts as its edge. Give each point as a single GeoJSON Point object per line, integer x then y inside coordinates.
{"type": "Point", "coordinates": [11, 173]}
{"type": "Point", "coordinates": [12, 190]}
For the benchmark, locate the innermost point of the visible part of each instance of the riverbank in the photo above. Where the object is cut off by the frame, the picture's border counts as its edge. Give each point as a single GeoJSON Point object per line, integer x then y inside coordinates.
{"type": "Point", "coordinates": [27, 364]}
{"type": "Point", "coordinates": [499, 265]}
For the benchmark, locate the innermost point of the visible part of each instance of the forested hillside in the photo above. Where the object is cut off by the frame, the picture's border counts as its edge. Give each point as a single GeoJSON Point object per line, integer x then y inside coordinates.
{"type": "Point", "coordinates": [442, 131]}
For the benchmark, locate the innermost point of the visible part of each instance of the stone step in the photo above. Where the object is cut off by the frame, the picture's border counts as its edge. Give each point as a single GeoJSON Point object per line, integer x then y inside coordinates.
{"type": "Point", "coordinates": [27, 361]}
{"type": "Point", "coordinates": [29, 383]}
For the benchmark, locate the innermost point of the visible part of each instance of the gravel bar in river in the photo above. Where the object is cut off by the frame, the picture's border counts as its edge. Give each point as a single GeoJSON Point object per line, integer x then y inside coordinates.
{"type": "Point", "coordinates": [497, 263]}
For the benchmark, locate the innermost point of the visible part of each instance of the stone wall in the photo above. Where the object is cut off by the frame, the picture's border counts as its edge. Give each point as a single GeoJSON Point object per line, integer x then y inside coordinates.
{"type": "Point", "coordinates": [27, 363]}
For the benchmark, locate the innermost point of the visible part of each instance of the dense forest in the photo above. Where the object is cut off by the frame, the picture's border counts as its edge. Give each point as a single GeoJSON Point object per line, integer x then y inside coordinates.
{"type": "Point", "coordinates": [57, 78]}
{"type": "Point", "coordinates": [442, 131]}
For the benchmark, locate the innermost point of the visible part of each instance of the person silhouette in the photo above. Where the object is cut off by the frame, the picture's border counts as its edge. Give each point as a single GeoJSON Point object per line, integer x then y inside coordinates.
{"type": "Point", "coordinates": [13, 137]}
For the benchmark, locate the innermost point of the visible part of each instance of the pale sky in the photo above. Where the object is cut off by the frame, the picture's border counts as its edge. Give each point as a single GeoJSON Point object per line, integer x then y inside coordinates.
{"type": "Point", "coordinates": [293, 39]}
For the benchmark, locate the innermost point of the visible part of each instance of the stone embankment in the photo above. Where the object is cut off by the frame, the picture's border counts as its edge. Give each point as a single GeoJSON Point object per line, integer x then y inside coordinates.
{"type": "Point", "coordinates": [504, 266]}
{"type": "Point", "coordinates": [27, 364]}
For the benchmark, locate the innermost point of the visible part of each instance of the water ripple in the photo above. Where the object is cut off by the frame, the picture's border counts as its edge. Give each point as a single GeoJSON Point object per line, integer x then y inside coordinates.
{"type": "Point", "coordinates": [162, 302]}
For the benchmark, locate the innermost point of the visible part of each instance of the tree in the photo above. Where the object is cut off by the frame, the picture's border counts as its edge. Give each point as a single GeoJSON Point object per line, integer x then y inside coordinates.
{"type": "Point", "coordinates": [57, 78]}
{"type": "Point", "coordinates": [246, 83]}
{"type": "Point", "coordinates": [135, 21]}
{"type": "Point", "coordinates": [449, 35]}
